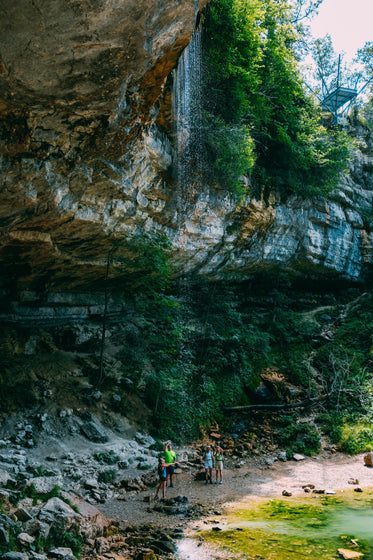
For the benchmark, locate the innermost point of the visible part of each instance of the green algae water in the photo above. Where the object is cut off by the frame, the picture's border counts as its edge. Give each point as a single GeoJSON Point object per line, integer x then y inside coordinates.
{"type": "Point", "coordinates": [297, 528]}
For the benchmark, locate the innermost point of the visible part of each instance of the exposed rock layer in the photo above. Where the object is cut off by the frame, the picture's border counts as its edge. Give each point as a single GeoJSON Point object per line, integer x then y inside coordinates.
{"type": "Point", "coordinates": [87, 157]}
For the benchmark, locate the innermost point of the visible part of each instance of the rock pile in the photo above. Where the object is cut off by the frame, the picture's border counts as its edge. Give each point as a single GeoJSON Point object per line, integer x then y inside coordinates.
{"type": "Point", "coordinates": [47, 506]}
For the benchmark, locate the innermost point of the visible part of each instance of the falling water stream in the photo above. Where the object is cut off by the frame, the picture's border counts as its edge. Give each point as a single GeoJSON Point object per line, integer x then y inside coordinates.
{"type": "Point", "coordinates": [186, 106]}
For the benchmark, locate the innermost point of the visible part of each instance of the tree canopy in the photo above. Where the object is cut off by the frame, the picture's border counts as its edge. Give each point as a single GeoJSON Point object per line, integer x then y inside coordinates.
{"type": "Point", "coordinates": [254, 87]}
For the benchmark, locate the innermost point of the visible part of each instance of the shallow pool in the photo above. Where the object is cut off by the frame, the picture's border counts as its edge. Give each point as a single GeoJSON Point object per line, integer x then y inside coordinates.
{"type": "Point", "coordinates": [287, 529]}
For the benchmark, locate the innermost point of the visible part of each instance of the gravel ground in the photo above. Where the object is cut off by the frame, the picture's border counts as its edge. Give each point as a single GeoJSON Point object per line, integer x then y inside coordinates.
{"type": "Point", "coordinates": [326, 471]}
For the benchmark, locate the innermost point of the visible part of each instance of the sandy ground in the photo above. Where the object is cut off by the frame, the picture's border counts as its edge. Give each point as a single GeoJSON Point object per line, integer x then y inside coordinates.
{"type": "Point", "coordinates": [327, 472]}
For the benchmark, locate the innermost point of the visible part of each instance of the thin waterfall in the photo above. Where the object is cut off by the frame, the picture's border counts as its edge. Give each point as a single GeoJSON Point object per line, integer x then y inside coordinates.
{"type": "Point", "coordinates": [187, 117]}
{"type": "Point", "coordinates": [187, 111]}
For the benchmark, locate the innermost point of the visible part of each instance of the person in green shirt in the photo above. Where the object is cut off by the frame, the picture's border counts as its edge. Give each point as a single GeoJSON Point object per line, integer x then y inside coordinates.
{"type": "Point", "coordinates": [170, 457]}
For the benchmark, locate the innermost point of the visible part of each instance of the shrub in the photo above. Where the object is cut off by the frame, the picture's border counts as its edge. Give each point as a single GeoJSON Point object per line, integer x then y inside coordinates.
{"type": "Point", "coordinates": [298, 437]}
{"type": "Point", "coordinates": [107, 476]}
{"type": "Point", "coordinates": [356, 438]}
{"type": "Point", "coordinates": [107, 457]}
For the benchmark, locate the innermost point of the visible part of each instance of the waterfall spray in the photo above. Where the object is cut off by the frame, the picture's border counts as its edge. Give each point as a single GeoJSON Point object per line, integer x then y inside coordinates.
{"type": "Point", "coordinates": [187, 111]}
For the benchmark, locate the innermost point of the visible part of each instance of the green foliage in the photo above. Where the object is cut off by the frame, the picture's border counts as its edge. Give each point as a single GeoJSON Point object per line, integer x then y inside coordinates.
{"type": "Point", "coordinates": [254, 92]}
{"type": "Point", "coordinates": [297, 437]}
{"type": "Point", "coordinates": [106, 476]}
{"type": "Point", "coordinates": [73, 542]}
{"type": "Point", "coordinates": [345, 364]}
{"type": "Point", "coordinates": [331, 425]}
{"type": "Point", "coordinates": [158, 445]}
{"type": "Point", "coordinates": [65, 540]}
{"type": "Point", "coordinates": [107, 457]}
{"type": "Point", "coordinates": [16, 391]}
{"type": "Point", "coordinates": [187, 362]}
{"type": "Point", "coordinates": [356, 438]}
{"type": "Point", "coordinates": [31, 492]}
{"type": "Point", "coordinates": [350, 433]}
{"type": "Point", "coordinates": [141, 265]}
{"type": "Point", "coordinates": [229, 152]}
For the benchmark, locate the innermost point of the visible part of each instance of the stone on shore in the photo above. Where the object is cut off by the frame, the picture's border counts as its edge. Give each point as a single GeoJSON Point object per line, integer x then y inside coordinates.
{"type": "Point", "coordinates": [349, 554]}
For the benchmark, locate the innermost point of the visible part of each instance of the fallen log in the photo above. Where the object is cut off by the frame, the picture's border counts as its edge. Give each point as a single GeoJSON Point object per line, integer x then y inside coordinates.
{"type": "Point", "coordinates": [280, 406]}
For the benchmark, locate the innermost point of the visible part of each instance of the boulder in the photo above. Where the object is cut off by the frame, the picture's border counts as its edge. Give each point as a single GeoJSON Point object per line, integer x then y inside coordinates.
{"type": "Point", "coordinates": [145, 440]}
{"type": "Point", "coordinates": [93, 523]}
{"type": "Point", "coordinates": [298, 457]}
{"type": "Point", "coordinates": [62, 553]}
{"type": "Point", "coordinates": [94, 432]}
{"type": "Point", "coordinates": [37, 556]}
{"type": "Point", "coordinates": [368, 459]}
{"type": "Point", "coordinates": [6, 521]}
{"type": "Point", "coordinates": [35, 527]}
{"type": "Point", "coordinates": [4, 477]}
{"type": "Point", "coordinates": [25, 539]}
{"type": "Point", "coordinates": [60, 516]}
{"type": "Point", "coordinates": [45, 484]}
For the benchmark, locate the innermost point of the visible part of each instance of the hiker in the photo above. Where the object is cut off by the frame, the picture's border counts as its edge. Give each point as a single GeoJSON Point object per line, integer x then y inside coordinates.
{"type": "Point", "coordinates": [170, 458]}
{"type": "Point", "coordinates": [162, 466]}
{"type": "Point", "coordinates": [218, 456]}
{"type": "Point", "coordinates": [207, 461]}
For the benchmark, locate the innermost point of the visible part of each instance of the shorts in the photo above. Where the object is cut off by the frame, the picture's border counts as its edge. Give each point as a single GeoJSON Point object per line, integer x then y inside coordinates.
{"type": "Point", "coordinates": [162, 479]}
{"type": "Point", "coordinates": [208, 464]}
{"type": "Point", "coordinates": [170, 469]}
{"type": "Point", "coordinates": [219, 465]}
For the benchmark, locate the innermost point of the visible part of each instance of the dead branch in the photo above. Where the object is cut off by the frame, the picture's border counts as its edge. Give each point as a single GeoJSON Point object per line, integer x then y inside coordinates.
{"type": "Point", "coordinates": [281, 406]}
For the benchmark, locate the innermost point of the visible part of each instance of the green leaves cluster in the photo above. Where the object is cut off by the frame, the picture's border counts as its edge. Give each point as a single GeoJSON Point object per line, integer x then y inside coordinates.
{"type": "Point", "coordinates": [189, 360]}
{"type": "Point", "coordinates": [200, 360]}
{"type": "Point", "coordinates": [252, 84]}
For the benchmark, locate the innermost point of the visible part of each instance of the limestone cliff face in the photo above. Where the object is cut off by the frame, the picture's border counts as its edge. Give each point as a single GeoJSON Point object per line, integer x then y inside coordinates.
{"type": "Point", "coordinates": [86, 157]}
{"type": "Point", "coordinates": [81, 85]}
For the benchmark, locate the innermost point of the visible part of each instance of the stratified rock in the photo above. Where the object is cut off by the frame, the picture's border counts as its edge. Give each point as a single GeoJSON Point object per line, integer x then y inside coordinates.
{"type": "Point", "coordinates": [85, 119]}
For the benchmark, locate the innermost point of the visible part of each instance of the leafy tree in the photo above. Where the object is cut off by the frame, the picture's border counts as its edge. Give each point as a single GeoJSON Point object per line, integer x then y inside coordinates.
{"type": "Point", "coordinates": [326, 62]}
{"type": "Point", "coordinates": [365, 57]}
{"type": "Point", "coordinates": [303, 9]}
{"type": "Point", "coordinates": [253, 85]}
